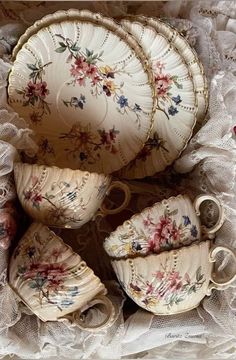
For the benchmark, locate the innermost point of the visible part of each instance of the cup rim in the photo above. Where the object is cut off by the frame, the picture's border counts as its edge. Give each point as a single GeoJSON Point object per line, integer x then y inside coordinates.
{"type": "Point", "coordinates": [137, 215]}
{"type": "Point", "coordinates": [197, 243]}
{"type": "Point", "coordinates": [56, 168]}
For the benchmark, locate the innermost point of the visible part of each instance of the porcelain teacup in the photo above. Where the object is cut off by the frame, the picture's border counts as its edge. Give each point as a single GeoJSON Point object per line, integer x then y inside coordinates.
{"type": "Point", "coordinates": [166, 225]}
{"type": "Point", "coordinates": [53, 281]}
{"type": "Point", "coordinates": [64, 197]}
{"type": "Point", "coordinates": [174, 281]}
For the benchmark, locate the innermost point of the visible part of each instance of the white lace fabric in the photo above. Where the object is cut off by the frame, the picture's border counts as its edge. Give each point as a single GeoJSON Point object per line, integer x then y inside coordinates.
{"type": "Point", "coordinates": [207, 165]}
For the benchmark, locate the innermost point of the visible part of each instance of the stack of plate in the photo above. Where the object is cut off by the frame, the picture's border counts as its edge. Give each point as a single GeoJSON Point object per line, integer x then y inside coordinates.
{"type": "Point", "coordinates": [106, 97]}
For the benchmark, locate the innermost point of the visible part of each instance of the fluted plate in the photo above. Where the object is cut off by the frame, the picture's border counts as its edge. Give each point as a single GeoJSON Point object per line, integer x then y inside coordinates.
{"type": "Point", "coordinates": [84, 86]}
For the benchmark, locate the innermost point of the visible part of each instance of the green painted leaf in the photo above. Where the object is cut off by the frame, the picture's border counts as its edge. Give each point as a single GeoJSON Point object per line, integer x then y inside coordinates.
{"type": "Point", "coordinates": [174, 212]}
{"type": "Point", "coordinates": [60, 49]}
{"type": "Point", "coordinates": [75, 48]}
{"type": "Point", "coordinates": [199, 275]}
{"type": "Point", "coordinates": [62, 44]}
{"type": "Point", "coordinates": [20, 92]}
{"type": "Point", "coordinates": [89, 53]}
{"type": "Point", "coordinates": [32, 67]}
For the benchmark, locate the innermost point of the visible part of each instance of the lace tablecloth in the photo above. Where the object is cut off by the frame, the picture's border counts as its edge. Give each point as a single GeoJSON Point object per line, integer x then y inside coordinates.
{"type": "Point", "coordinates": [206, 166]}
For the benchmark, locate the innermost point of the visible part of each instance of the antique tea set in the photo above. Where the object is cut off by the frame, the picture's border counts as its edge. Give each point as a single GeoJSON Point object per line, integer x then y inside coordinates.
{"type": "Point", "coordinates": [103, 97]}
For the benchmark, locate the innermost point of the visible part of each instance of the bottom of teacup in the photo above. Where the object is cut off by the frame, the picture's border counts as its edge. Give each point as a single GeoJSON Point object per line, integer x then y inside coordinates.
{"type": "Point", "coordinates": [176, 312]}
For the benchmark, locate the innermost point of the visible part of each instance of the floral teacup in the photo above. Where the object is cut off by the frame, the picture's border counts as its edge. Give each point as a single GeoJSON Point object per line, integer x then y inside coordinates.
{"type": "Point", "coordinates": [164, 226]}
{"type": "Point", "coordinates": [53, 281]}
{"type": "Point", "coordinates": [64, 197]}
{"type": "Point", "coordinates": [174, 281]}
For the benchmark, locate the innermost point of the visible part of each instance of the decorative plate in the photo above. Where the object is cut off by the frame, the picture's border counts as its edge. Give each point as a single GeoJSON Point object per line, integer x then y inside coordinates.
{"type": "Point", "coordinates": [176, 108]}
{"type": "Point", "coordinates": [195, 66]}
{"type": "Point", "coordinates": [85, 88]}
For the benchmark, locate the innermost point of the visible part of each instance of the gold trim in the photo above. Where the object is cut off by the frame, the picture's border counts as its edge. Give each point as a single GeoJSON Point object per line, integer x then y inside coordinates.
{"type": "Point", "coordinates": [107, 23]}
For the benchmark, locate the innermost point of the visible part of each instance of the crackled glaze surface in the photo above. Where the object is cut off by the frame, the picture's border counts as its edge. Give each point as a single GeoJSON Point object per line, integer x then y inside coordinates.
{"type": "Point", "coordinates": [59, 197]}
{"type": "Point", "coordinates": [164, 226]}
{"type": "Point", "coordinates": [49, 277]}
{"type": "Point", "coordinates": [87, 94]}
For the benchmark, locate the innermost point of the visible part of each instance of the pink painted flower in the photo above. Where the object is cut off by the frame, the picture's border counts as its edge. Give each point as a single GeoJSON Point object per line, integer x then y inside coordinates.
{"type": "Point", "coordinates": [150, 288]}
{"type": "Point", "coordinates": [37, 198]}
{"type": "Point", "coordinates": [81, 64]}
{"type": "Point", "coordinates": [91, 71]}
{"type": "Point", "coordinates": [148, 221]}
{"type": "Point", "coordinates": [176, 234]}
{"type": "Point", "coordinates": [96, 79]}
{"type": "Point", "coordinates": [75, 72]}
{"type": "Point", "coordinates": [81, 80]}
{"type": "Point", "coordinates": [162, 234]}
{"type": "Point", "coordinates": [47, 271]}
{"type": "Point", "coordinates": [163, 83]}
{"type": "Point", "coordinates": [159, 275]}
{"type": "Point", "coordinates": [41, 89]}
{"type": "Point", "coordinates": [31, 90]}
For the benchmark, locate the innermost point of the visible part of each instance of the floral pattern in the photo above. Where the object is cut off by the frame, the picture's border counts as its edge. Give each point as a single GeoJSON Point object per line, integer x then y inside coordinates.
{"type": "Point", "coordinates": [154, 142]}
{"type": "Point", "coordinates": [167, 287]}
{"type": "Point", "coordinates": [85, 67]}
{"type": "Point", "coordinates": [155, 236]}
{"type": "Point", "coordinates": [56, 213]}
{"type": "Point", "coordinates": [166, 101]}
{"type": "Point", "coordinates": [36, 92]}
{"type": "Point", "coordinates": [86, 146]}
{"type": "Point", "coordinates": [46, 278]}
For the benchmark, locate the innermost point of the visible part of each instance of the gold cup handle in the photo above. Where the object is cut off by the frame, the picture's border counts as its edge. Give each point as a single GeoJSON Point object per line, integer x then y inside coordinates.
{"type": "Point", "coordinates": [197, 203]}
{"type": "Point", "coordinates": [215, 282]}
{"type": "Point", "coordinates": [116, 185]}
{"type": "Point", "coordinates": [77, 316]}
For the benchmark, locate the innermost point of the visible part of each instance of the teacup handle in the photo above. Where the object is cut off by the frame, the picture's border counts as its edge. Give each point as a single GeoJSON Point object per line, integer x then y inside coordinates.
{"type": "Point", "coordinates": [77, 316]}
{"type": "Point", "coordinates": [125, 189]}
{"type": "Point", "coordinates": [197, 203]}
{"type": "Point", "coordinates": [217, 283]}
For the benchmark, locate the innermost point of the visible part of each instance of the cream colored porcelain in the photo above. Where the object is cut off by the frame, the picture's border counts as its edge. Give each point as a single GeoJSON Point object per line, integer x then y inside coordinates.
{"type": "Point", "coordinates": [190, 56]}
{"type": "Point", "coordinates": [176, 109]}
{"type": "Point", "coordinates": [174, 281]}
{"type": "Point", "coordinates": [52, 280]}
{"type": "Point", "coordinates": [164, 226]}
{"type": "Point", "coordinates": [84, 86]}
{"type": "Point", "coordinates": [64, 197]}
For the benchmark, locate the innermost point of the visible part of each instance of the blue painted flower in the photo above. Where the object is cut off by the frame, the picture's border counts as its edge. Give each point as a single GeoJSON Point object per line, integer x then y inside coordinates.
{"type": "Point", "coordinates": [66, 302]}
{"type": "Point", "coordinates": [78, 102]}
{"type": "Point", "coordinates": [137, 107]}
{"type": "Point", "coordinates": [186, 220]}
{"type": "Point", "coordinates": [136, 246]}
{"type": "Point", "coordinates": [177, 99]}
{"type": "Point", "coordinates": [172, 110]}
{"type": "Point", "coordinates": [194, 231]}
{"type": "Point", "coordinates": [74, 291]}
{"type": "Point", "coordinates": [122, 101]}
